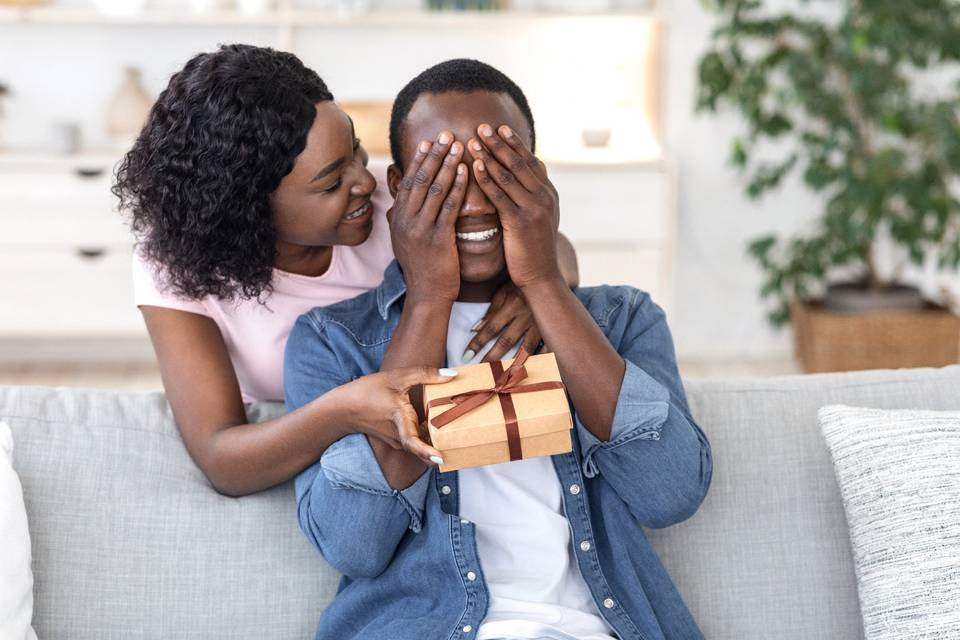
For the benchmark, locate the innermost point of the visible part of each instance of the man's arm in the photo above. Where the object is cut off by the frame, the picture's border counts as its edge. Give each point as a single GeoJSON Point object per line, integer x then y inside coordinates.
{"type": "Point", "coordinates": [616, 400]}
{"type": "Point", "coordinates": [651, 452]}
{"type": "Point", "coordinates": [345, 506]}
{"type": "Point", "coordinates": [422, 220]}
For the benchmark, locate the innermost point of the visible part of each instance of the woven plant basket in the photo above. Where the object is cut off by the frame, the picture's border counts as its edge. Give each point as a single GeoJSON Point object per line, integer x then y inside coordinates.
{"type": "Point", "coordinates": [836, 341]}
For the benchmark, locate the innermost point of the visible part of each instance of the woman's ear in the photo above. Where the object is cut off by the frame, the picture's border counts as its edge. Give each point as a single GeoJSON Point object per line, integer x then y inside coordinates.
{"type": "Point", "coordinates": [394, 175]}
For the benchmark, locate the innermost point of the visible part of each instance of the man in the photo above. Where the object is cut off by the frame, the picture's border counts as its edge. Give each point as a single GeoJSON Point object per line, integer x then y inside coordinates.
{"type": "Point", "coordinates": [548, 547]}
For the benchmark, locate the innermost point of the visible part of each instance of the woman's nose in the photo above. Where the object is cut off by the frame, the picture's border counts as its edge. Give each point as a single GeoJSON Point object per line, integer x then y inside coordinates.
{"type": "Point", "coordinates": [365, 184]}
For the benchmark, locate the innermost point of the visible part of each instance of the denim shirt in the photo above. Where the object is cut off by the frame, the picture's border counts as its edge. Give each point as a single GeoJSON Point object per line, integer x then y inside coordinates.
{"type": "Point", "coordinates": [409, 561]}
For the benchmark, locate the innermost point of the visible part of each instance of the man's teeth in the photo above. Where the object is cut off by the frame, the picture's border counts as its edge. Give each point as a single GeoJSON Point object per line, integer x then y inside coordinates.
{"type": "Point", "coordinates": [359, 212]}
{"type": "Point", "coordinates": [477, 236]}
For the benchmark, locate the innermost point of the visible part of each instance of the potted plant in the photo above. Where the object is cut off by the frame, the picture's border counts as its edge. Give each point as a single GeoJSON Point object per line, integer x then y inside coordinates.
{"type": "Point", "coordinates": [846, 100]}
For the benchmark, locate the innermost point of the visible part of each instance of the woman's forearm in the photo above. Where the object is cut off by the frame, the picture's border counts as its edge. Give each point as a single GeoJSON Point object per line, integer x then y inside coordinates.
{"type": "Point", "coordinates": [567, 261]}
{"type": "Point", "coordinates": [247, 458]}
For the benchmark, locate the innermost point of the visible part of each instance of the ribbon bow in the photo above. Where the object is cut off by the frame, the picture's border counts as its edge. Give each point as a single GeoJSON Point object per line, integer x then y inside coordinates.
{"type": "Point", "coordinates": [506, 382]}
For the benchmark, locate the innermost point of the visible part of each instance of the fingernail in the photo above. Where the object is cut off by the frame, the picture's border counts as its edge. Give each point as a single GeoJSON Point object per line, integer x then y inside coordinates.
{"type": "Point", "coordinates": [476, 145]}
{"type": "Point", "coordinates": [477, 325]}
{"type": "Point", "coordinates": [448, 373]}
{"type": "Point", "coordinates": [506, 131]}
{"type": "Point", "coordinates": [455, 148]}
{"type": "Point", "coordinates": [479, 165]}
{"type": "Point", "coordinates": [444, 138]}
{"type": "Point", "coordinates": [460, 169]}
{"type": "Point", "coordinates": [436, 459]}
{"type": "Point", "coordinates": [424, 146]}
{"type": "Point", "coordinates": [486, 130]}
{"type": "Point", "coordinates": [468, 355]}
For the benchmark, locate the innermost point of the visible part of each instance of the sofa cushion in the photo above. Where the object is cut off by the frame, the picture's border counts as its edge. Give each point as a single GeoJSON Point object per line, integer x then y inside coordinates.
{"type": "Point", "coordinates": [767, 555]}
{"type": "Point", "coordinates": [131, 541]}
{"type": "Point", "coordinates": [899, 476]}
{"type": "Point", "coordinates": [16, 577]}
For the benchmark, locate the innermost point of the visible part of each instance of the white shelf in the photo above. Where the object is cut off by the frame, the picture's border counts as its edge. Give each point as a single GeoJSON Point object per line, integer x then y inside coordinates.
{"type": "Point", "coordinates": [298, 18]}
{"type": "Point", "coordinates": [34, 160]}
{"type": "Point", "coordinates": [106, 159]}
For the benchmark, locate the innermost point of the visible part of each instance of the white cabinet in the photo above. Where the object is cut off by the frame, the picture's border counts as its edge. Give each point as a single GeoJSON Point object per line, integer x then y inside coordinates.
{"type": "Point", "coordinates": [619, 219]}
{"type": "Point", "coordinates": [64, 251]}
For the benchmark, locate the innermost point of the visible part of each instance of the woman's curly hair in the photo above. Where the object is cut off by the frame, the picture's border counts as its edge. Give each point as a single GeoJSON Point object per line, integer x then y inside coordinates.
{"type": "Point", "coordinates": [197, 181]}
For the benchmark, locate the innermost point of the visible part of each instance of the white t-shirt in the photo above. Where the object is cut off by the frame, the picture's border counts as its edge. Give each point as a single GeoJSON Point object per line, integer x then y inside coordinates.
{"type": "Point", "coordinates": [523, 537]}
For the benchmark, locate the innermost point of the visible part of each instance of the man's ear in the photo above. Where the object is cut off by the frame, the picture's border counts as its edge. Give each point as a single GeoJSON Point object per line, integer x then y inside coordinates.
{"type": "Point", "coordinates": [394, 176]}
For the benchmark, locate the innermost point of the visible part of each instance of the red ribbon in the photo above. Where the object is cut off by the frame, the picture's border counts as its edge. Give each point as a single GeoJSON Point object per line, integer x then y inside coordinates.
{"type": "Point", "coordinates": [506, 383]}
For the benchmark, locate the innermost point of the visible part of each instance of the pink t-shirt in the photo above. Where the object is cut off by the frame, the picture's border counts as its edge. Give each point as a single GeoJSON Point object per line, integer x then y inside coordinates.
{"type": "Point", "coordinates": [256, 335]}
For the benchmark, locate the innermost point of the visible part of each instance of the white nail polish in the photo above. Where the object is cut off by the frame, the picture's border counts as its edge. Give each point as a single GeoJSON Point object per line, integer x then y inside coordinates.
{"type": "Point", "coordinates": [477, 325]}
{"type": "Point", "coordinates": [468, 355]}
{"type": "Point", "coordinates": [436, 459]}
{"type": "Point", "coordinates": [448, 373]}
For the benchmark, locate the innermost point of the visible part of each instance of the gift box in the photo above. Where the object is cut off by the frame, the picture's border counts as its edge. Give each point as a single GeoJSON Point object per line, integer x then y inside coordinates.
{"type": "Point", "coordinates": [499, 411]}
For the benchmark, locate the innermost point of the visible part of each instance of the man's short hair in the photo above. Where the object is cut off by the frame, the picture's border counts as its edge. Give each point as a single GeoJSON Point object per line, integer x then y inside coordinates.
{"type": "Point", "coordinates": [461, 74]}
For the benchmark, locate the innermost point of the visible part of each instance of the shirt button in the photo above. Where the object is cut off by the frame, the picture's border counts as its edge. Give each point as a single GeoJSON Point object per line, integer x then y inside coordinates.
{"type": "Point", "coordinates": [471, 576]}
{"type": "Point", "coordinates": [467, 629]}
{"type": "Point", "coordinates": [609, 603]}
{"type": "Point", "coordinates": [445, 489]}
{"type": "Point", "coordinates": [585, 545]}
{"type": "Point", "coordinates": [464, 521]}
{"type": "Point", "coordinates": [574, 489]}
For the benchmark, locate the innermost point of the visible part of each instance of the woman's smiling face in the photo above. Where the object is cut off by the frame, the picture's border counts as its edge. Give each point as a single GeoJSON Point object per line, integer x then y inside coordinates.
{"type": "Point", "coordinates": [479, 237]}
{"type": "Point", "coordinates": [325, 199]}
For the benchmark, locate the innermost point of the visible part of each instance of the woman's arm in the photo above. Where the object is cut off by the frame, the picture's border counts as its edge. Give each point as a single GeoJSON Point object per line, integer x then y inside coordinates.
{"type": "Point", "coordinates": [567, 260]}
{"type": "Point", "coordinates": [241, 458]}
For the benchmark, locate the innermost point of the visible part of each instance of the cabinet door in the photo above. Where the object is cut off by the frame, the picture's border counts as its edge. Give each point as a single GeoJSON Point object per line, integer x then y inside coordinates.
{"type": "Point", "coordinates": [60, 208]}
{"type": "Point", "coordinates": [60, 293]}
{"type": "Point", "coordinates": [611, 204]}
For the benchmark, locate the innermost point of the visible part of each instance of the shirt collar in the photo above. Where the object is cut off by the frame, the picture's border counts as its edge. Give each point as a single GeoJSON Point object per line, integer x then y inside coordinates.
{"type": "Point", "coordinates": [391, 289]}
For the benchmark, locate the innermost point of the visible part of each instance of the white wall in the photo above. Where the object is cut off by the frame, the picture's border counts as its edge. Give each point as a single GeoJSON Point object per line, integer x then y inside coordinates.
{"type": "Point", "coordinates": [717, 311]}
{"type": "Point", "coordinates": [716, 308]}
{"type": "Point", "coordinates": [69, 73]}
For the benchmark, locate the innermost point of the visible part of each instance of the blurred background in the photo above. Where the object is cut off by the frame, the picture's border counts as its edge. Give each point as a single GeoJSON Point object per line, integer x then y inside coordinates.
{"type": "Point", "coordinates": [742, 161]}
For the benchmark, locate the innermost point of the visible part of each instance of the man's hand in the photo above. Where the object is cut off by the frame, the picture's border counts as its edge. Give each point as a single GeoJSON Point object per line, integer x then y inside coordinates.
{"type": "Point", "coordinates": [423, 219]}
{"type": "Point", "coordinates": [516, 183]}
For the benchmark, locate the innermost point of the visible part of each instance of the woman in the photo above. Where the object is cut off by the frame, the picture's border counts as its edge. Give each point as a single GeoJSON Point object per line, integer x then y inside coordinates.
{"type": "Point", "coordinates": [249, 193]}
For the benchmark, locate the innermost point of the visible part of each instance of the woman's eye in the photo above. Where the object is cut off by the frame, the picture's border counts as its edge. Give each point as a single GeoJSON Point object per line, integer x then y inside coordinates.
{"type": "Point", "coordinates": [333, 188]}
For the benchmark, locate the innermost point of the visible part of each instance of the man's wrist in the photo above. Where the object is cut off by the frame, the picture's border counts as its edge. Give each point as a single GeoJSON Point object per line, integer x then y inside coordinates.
{"type": "Point", "coordinates": [427, 302]}
{"type": "Point", "coordinates": [544, 288]}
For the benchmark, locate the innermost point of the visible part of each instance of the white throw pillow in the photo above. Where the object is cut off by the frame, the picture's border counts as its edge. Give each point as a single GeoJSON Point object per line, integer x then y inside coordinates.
{"type": "Point", "coordinates": [899, 476]}
{"type": "Point", "coordinates": [16, 578]}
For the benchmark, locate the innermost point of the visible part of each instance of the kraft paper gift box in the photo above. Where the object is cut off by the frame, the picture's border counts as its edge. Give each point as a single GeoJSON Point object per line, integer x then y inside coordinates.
{"type": "Point", "coordinates": [499, 411]}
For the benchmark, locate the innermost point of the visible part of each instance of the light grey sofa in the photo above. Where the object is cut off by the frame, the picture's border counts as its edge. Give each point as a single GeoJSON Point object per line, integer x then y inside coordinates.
{"type": "Point", "coordinates": [130, 541]}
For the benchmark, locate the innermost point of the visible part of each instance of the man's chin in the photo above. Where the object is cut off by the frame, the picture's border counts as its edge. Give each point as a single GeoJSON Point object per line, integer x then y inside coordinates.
{"type": "Point", "coordinates": [474, 271]}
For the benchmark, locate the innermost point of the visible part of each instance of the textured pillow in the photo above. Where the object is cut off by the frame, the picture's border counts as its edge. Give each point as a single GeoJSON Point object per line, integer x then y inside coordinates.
{"type": "Point", "coordinates": [16, 578]}
{"type": "Point", "coordinates": [899, 477]}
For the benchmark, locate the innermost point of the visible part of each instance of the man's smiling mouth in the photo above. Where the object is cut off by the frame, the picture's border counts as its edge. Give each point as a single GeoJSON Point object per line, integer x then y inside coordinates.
{"type": "Point", "coordinates": [478, 236]}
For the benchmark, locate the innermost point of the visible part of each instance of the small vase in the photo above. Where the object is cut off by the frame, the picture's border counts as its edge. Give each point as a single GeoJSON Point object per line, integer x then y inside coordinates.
{"type": "Point", "coordinates": [128, 109]}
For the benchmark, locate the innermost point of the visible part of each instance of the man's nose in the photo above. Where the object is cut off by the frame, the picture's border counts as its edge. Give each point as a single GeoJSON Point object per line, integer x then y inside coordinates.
{"type": "Point", "coordinates": [475, 201]}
